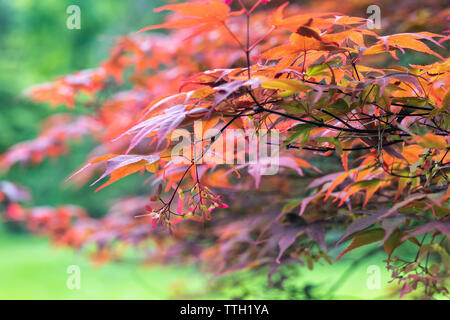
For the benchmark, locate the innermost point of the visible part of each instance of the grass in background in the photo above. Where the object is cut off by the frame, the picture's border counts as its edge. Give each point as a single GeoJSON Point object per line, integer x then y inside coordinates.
{"type": "Point", "coordinates": [33, 269]}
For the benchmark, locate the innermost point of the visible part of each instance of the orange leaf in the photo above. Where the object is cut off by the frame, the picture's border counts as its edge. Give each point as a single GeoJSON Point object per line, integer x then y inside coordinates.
{"type": "Point", "coordinates": [294, 22]}
{"type": "Point", "coordinates": [124, 165]}
{"type": "Point", "coordinates": [404, 41]}
{"type": "Point", "coordinates": [338, 181]}
{"type": "Point", "coordinates": [123, 172]}
{"type": "Point", "coordinates": [204, 15]}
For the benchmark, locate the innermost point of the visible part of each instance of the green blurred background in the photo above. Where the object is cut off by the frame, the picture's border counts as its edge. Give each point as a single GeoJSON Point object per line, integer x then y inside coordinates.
{"type": "Point", "coordinates": [35, 47]}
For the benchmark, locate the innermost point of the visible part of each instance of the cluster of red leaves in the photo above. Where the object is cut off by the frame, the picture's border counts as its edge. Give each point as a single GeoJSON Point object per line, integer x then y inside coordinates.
{"type": "Point", "coordinates": [53, 140]}
{"type": "Point", "coordinates": [314, 77]}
